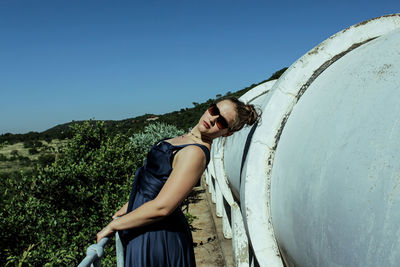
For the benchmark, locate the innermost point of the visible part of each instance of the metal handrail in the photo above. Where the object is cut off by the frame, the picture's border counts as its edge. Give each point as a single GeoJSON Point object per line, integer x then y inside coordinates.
{"type": "Point", "coordinates": [95, 252]}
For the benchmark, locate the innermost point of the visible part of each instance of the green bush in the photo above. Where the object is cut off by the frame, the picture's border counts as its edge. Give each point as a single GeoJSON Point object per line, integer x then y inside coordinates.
{"type": "Point", "coordinates": [46, 159]}
{"type": "Point", "coordinates": [29, 144]}
{"type": "Point", "coordinates": [49, 218]}
{"type": "Point", "coordinates": [152, 133]}
{"type": "Point", "coordinates": [54, 215]}
{"type": "Point", "coordinates": [33, 151]}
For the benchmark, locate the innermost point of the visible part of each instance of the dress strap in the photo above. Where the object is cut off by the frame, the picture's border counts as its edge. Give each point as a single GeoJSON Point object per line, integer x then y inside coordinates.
{"type": "Point", "coordinates": [203, 147]}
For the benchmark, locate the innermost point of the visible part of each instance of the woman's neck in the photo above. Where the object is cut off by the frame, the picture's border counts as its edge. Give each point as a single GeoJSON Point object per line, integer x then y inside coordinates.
{"type": "Point", "coordinates": [197, 137]}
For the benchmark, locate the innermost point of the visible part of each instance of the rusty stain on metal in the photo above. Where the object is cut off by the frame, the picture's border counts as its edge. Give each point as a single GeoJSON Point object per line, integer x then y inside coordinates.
{"type": "Point", "coordinates": [386, 16]}
{"type": "Point", "coordinates": [315, 50]}
{"type": "Point", "coordinates": [369, 20]}
{"type": "Point", "coordinates": [384, 69]}
{"type": "Point", "coordinates": [278, 134]}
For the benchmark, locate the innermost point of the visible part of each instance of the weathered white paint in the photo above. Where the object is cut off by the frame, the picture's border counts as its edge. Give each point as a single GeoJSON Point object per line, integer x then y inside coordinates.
{"type": "Point", "coordinates": [226, 225]}
{"type": "Point", "coordinates": [217, 151]}
{"type": "Point", "coordinates": [254, 204]}
{"type": "Point", "coordinates": [219, 179]}
{"type": "Point", "coordinates": [263, 186]}
{"type": "Point", "coordinates": [218, 201]}
{"type": "Point", "coordinates": [335, 195]}
{"type": "Point", "coordinates": [239, 239]}
{"type": "Point", "coordinates": [235, 144]}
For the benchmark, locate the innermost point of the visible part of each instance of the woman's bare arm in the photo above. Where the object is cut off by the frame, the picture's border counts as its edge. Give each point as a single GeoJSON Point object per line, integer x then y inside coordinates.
{"type": "Point", "coordinates": [189, 164]}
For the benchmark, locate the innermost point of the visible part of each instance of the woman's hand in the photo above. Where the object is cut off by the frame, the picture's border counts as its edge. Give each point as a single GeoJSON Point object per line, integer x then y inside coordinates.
{"type": "Point", "coordinates": [105, 232]}
{"type": "Point", "coordinates": [121, 212]}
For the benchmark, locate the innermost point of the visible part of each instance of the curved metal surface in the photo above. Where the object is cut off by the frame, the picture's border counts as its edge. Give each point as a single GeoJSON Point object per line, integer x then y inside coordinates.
{"type": "Point", "coordinates": [237, 145]}
{"type": "Point", "coordinates": [267, 173]}
{"type": "Point", "coordinates": [247, 173]}
{"type": "Point", "coordinates": [335, 177]}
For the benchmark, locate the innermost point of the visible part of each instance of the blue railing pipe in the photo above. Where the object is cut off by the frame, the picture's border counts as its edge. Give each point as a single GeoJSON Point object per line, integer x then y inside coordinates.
{"type": "Point", "coordinates": [95, 252]}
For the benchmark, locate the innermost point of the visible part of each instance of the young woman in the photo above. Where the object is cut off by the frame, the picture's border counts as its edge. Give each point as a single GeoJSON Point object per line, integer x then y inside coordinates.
{"type": "Point", "coordinates": [154, 228]}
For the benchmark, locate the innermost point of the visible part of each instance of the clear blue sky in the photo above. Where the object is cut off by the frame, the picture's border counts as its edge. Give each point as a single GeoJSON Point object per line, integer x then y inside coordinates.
{"type": "Point", "coordinates": [64, 60]}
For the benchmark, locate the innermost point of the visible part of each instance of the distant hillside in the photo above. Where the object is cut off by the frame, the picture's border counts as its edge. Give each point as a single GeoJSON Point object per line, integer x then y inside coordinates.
{"type": "Point", "coordinates": [183, 119]}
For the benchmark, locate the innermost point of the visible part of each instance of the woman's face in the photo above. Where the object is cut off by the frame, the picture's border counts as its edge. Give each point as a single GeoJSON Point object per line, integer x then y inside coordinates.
{"type": "Point", "coordinates": [208, 123]}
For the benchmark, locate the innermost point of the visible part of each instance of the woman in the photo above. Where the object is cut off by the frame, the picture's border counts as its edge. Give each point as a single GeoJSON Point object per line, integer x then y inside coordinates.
{"type": "Point", "coordinates": [154, 228]}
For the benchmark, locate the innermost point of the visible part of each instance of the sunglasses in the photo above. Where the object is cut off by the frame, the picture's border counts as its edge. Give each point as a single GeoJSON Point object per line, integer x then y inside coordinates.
{"type": "Point", "coordinates": [221, 121]}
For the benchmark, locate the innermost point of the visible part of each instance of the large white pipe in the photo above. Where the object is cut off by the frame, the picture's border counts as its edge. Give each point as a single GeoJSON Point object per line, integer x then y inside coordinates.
{"type": "Point", "coordinates": [335, 190]}
{"type": "Point", "coordinates": [245, 168]}
{"type": "Point", "coordinates": [272, 178]}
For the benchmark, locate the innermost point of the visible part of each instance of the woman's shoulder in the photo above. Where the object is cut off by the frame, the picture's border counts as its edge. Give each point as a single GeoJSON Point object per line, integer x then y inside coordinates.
{"type": "Point", "coordinates": [187, 149]}
{"type": "Point", "coordinates": [192, 154]}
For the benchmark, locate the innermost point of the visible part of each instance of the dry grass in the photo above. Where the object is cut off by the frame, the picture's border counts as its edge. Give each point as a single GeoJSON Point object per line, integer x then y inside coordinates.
{"type": "Point", "coordinates": [6, 150]}
{"type": "Point", "coordinates": [18, 165]}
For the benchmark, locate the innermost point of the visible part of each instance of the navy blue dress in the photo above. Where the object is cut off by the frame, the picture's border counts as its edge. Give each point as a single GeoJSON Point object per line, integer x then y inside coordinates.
{"type": "Point", "coordinates": [167, 242]}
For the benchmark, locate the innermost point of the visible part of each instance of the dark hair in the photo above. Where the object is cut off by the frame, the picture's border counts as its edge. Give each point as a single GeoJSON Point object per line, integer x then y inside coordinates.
{"type": "Point", "coordinates": [246, 114]}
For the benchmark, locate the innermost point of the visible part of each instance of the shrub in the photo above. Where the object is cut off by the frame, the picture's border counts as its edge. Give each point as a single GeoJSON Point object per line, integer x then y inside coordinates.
{"type": "Point", "coordinates": [38, 143]}
{"type": "Point", "coordinates": [46, 159]}
{"type": "Point", "coordinates": [49, 217]}
{"type": "Point", "coordinates": [152, 133]}
{"type": "Point", "coordinates": [54, 215]}
{"type": "Point", "coordinates": [33, 151]}
{"type": "Point", "coordinates": [29, 144]}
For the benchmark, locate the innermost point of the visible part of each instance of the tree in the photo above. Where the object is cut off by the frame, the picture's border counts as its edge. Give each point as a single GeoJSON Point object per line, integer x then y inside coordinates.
{"type": "Point", "coordinates": [277, 74]}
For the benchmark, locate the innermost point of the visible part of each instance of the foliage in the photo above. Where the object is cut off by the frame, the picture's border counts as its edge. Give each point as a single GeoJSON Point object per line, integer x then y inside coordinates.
{"type": "Point", "coordinates": [277, 74]}
{"type": "Point", "coordinates": [54, 215]}
{"type": "Point", "coordinates": [32, 144]}
{"type": "Point", "coordinates": [190, 218]}
{"type": "Point", "coordinates": [152, 133]}
{"type": "Point", "coordinates": [50, 217]}
{"type": "Point", "coordinates": [46, 159]}
{"type": "Point", "coordinates": [33, 151]}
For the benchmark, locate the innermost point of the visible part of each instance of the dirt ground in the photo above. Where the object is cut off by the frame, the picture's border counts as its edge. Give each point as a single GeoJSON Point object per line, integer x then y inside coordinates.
{"type": "Point", "coordinates": [210, 247]}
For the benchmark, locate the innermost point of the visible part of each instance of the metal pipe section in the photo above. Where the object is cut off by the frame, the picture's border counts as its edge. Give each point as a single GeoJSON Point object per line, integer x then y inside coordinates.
{"type": "Point", "coordinates": [335, 197]}
{"type": "Point", "coordinates": [119, 250]}
{"type": "Point", "coordinates": [317, 181]}
{"type": "Point", "coordinates": [95, 252]}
